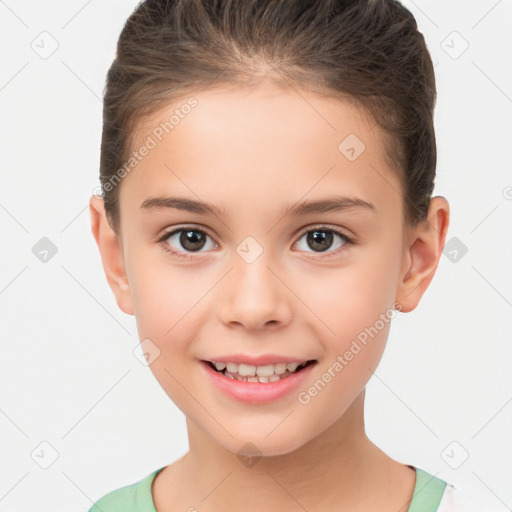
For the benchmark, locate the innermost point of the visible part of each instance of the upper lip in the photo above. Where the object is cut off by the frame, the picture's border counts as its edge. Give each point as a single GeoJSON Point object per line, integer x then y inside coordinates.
{"type": "Point", "coordinates": [262, 360]}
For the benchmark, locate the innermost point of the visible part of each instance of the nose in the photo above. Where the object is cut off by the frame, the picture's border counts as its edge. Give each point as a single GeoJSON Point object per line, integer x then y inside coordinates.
{"type": "Point", "coordinates": [255, 296]}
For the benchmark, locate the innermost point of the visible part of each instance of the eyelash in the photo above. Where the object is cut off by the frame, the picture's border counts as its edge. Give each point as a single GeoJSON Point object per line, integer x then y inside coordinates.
{"type": "Point", "coordinates": [187, 256]}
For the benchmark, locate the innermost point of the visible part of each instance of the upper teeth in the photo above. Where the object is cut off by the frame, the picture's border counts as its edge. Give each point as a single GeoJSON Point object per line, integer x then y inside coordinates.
{"type": "Point", "coordinates": [249, 370]}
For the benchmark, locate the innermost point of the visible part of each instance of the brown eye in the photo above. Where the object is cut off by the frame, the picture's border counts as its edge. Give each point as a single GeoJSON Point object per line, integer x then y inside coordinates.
{"type": "Point", "coordinates": [192, 240]}
{"type": "Point", "coordinates": [321, 239]}
{"type": "Point", "coordinates": [186, 240]}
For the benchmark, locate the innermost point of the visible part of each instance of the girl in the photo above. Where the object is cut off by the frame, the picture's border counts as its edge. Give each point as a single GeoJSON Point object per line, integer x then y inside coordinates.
{"type": "Point", "coordinates": [267, 170]}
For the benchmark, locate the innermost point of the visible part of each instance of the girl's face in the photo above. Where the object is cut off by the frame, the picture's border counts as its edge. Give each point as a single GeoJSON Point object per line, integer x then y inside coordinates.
{"type": "Point", "coordinates": [250, 279]}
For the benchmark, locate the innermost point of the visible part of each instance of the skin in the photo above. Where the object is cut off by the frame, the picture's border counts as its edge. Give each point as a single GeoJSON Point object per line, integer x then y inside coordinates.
{"type": "Point", "coordinates": [253, 151]}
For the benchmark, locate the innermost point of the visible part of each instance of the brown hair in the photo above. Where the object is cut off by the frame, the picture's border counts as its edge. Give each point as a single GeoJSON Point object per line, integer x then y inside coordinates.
{"type": "Point", "coordinates": [367, 51]}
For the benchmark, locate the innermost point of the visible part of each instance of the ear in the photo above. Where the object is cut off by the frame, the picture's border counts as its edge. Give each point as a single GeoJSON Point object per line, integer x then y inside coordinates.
{"type": "Point", "coordinates": [110, 247]}
{"type": "Point", "coordinates": [423, 250]}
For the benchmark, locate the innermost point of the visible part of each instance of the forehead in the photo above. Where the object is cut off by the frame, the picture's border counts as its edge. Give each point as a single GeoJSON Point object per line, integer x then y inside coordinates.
{"type": "Point", "coordinates": [264, 111]}
{"type": "Point", "coordinates": [265, 143]}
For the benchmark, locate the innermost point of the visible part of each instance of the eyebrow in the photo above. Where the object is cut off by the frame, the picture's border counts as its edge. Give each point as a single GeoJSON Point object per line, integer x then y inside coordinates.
{"type": "Point", "coordinates": [329, 204]}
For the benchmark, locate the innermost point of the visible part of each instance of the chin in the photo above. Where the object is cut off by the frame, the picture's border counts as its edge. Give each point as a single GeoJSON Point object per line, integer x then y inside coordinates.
{"type": "Point", "coordinates": [262, 445]}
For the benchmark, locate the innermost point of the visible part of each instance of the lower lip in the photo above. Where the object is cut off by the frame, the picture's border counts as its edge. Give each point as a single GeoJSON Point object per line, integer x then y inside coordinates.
{"type": "Point", "coordinates": [257, 392]}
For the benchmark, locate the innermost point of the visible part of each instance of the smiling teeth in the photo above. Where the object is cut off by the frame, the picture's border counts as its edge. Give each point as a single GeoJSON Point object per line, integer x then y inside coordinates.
{"type": "Point", "coordinates": [252, 373]}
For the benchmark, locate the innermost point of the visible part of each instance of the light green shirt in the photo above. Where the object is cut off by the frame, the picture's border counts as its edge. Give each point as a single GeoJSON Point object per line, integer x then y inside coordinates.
{"type": "Point", "coordinates": [137, 497]}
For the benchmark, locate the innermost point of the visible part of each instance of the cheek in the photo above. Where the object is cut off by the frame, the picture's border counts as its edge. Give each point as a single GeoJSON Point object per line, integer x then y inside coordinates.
{"type": "Point", "coordinates": [343, 302]}
{"type": "Point", "coordinates": [351, 309]}
{"type": "Point", "coordinates": [164, 296]}
{"type": "Point", "coordinates": [171, 306]}
{"type": "Point", "coordinates": [166, 305]}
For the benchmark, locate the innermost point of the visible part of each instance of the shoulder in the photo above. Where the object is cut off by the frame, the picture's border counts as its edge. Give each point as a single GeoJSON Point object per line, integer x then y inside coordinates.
{"type": "Point", "coordinates": [135, 497]}
{"type": "Point", "coordinates": [458, 499]}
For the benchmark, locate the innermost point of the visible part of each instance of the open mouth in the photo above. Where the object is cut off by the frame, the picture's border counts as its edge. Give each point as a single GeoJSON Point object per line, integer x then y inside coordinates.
{"type": "Point", "coordinates": [251, 373]}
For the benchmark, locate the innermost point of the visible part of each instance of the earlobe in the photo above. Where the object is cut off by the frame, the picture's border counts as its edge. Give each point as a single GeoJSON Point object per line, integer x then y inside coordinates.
{"type": "Point", "coordinates": [423, 254]}
{"type": "Point", "coordinates": [111, 255]}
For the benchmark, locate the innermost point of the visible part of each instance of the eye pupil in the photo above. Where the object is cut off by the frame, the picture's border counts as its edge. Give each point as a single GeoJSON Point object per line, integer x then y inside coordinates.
{"type": "Point", "coordinates": [192, 237]}
{"type": "Point", "coordinates": [319, 242]}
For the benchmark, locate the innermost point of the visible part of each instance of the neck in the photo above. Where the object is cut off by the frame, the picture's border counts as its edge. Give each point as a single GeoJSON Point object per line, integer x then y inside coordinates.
{"type": "Point", "coordinates": [338, 469]}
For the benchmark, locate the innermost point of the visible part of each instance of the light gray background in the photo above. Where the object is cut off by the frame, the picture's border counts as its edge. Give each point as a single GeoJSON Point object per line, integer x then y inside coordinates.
{"type": "Point", "coordinates": [71, 388]}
